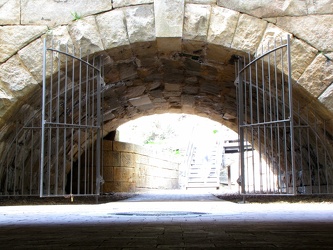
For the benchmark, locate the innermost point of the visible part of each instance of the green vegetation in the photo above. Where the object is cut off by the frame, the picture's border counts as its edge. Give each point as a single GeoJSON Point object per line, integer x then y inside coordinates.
{"type": "Point", "coordinates": [76, 16]}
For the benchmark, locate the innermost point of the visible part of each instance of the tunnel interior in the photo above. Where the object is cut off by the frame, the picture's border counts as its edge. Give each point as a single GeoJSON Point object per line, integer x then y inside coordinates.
{"type": "Point", "coordinates": [139, 80]}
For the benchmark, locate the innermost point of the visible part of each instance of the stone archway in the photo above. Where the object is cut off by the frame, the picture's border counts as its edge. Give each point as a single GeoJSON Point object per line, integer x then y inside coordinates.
{"type": "Point", "coordinates": [157, 62]}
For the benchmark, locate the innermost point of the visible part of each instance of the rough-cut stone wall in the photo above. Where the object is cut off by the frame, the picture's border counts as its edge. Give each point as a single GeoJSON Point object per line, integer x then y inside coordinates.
{"type": "Point", "coordinates": [166, 55]}
{"type": "Point", "coordinates": [129, 168]}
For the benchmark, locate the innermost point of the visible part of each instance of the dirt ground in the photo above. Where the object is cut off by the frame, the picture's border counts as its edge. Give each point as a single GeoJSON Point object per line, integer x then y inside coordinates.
{"type": "Point", "coordinates": [111, 197]}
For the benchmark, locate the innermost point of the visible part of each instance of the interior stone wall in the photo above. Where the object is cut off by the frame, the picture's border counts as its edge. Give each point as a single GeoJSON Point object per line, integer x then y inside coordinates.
{"type": "Point", "coordinates": [130, 168]}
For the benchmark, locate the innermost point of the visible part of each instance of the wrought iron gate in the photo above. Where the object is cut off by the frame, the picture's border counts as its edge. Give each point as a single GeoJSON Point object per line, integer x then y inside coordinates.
{"type": "Point", "coordinates": [293, 156]}
{"type": "Point", "coordinates": [265, 115]}
{"type": "Point", "coordinates": [70, 162]}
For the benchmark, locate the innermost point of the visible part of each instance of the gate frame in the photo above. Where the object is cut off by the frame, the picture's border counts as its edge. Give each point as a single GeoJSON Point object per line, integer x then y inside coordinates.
{"type": "Point", "coordinates": [240, 110]}
{"type": "Point", "coordinates": [98, 151]}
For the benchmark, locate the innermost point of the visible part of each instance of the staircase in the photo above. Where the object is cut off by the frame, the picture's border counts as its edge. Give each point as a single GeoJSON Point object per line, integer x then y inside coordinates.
{"type": "Point", "coordinates": [204, 167]}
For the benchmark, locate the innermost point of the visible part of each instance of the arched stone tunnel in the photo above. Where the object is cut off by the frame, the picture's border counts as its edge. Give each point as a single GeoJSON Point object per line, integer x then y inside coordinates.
{"type": "Point", "coordinates": [170, 57]}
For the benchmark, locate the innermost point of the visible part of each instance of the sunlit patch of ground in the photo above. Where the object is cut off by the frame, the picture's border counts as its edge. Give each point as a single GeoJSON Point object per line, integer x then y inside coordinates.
{"type": "Point", "coordinates": [277, 198]}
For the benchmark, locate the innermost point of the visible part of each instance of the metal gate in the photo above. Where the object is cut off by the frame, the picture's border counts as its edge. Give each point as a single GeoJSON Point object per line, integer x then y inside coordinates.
{"type": "Point", "coordinates": [293, 154]}
{"type": "Point", "coordinates": [70, 162]}
{"type": "Point", "coordinates": [265, 115]}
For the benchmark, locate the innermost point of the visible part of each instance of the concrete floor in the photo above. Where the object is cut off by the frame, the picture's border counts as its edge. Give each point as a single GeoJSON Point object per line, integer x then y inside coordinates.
{"type": "Point", "coordinates": [174, 221]}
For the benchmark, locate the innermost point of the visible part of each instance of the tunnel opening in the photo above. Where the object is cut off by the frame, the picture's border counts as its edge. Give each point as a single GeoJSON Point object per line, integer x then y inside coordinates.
{"type": "Point", "coordinates": [151, 83]}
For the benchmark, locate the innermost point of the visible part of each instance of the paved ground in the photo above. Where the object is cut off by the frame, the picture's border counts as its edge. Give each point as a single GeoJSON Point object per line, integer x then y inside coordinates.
{"type": "Point", "coordinates": [174, 221]}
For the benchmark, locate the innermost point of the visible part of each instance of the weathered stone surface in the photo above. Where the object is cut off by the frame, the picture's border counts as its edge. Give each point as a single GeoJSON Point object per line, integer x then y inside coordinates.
{"type": "Point", "coordinates": [273, 34]}
{"type": "Point", "coordinates": [307, 29]}
{"type": "Point", "coordinates": [302, 55]}
{"type": "Point", "coordinates": [248, 33]}
{"type": "Point", "coordinates": [6, 99]}
{"type": "Point", "coordinates": [140, 101]}
{"type": "Point", "coordinates": [123, 3]}
{"type": "Point", "coordinates": [53, 13]}
{"type": "Point", "coordinates": [85, 35]}
{"type": "Point", "coordinates": [320, 7]}
{"type": "Point", "coordinates": [32, 55]}
{"type": "Point", "coordinates": [318, 76]}
{"type": "Point", "coordinates": [13, 38]}
{"type": "Point", "coordinates": [15, 79]}
{"type": "Point", "coordinates": [172, 87]}
{"type": "Point", "coordinates": [135, 91]}
{"type": "Point", "coordinates": [222, 26]}
{"type": "Point", "coordinates": [196, 21]}
{"type": "Point", "coordinates": [9, 12]}
{"type": "Point", "coordinates": [327, 98]}
{"type": "Point", "coordinates": [266, 8]}
{"type": "Point", "coordinates": [201, 1]}
{"type": "Point", "coordinates": [140, 23]}
{"type": "Point", "coordinates": [112, 28]}
{"type": "Point", "coordinates": [169, 15]}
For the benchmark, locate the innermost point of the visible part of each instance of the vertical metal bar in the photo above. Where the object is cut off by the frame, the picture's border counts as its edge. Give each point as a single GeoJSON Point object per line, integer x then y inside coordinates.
{"type": "Point", "coordinates": [271, 125]}
{"type": "Point", "coordinates": [98, 139]}
{"type": "Point", "coordinates": [284, 125]}
{"type": "Point", "coordinates": [32, 157]}
{"type": "Point", "coordinates": [86, 150]}
{"type": "Point", "coordinates": [251, 121]}
{"type": "Point", "coordinates": [43, 123]}
{"type": "Point", "coordinates": [265, 117]}
{"type": "Point", "coordinates": [57, 129]}
{"type": "Point", "coordinates": [79, 129]}
{"type": "Point", "coordinates": [325, 164]}
{"type": "Point", "coordinates": [291, 117]}
{"type": "Point", "coordinates": [16, 155]}
{"type": "Point", "coordinates": [300, 147]}
{"type": "Point", "coordinates": [72, 120]}
{"type": "Point", "coordinates": [241, 128]}
{"type": "Point", "coordinates": [317, 157]}
{"type": "Point", "coordinates": [309, 155]}
{"type": "Point", "coordinates": [65, 121]}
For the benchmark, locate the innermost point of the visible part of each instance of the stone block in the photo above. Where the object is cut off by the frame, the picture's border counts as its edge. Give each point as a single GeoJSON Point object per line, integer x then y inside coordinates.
{"type": "Point", "coordinates": [9, 12]}
{"type": "Point", "coordinates": [58, 12]}
{"type": "Point", "coordinates": [169, 46]}
{"type": "Point", "coordinates": [216, 53]}
{"type": "Point", "coordinates": [32, 57]}
{"type": "Point", "coordinates": [307, 29]}
{"type": "Point", "coordinates": [122, 146]}
{"type": "Point", "coordinates": [201, 1]}
{"type": "Point", "coordinates": [302, 56]}
{"type": "Point", "coordinates": [272, 35]}
{"type": "Point", "coordinates": [15, 78]}
{"type": "Point", "coordinates": [223, 23]}
{"type": "Point", "coordinates": [85, 36]}
{"type": "Point", "coordinates": [140, 101]}
{"type": "Point", "coordinates": [112, 28]}
{"type": "Point", "coordinates": [317, 77]}
{"type": "Point", "coordinates": [248, 33]}
{"type": "Point", "coordinates": [169, 15]}
{"type": "Point", "coordinates": [107, 146]}
{"type": "Point", "coordinates": [6, 101]}
{"type": "Point", "coordinates": [124, 174]}
{"type": "Point", "coordinates": [261, 8]}
{"type": "Point", "coordinates": [13, 38]}
{"type": "Point", "coordinates": [108, 174]}
{"type": "Point", "coordinates": [326, 98]}
{"type": "Point", "coordinates": [188, 100]}
{"type": "Point", "coordinates": [124, 3]}
{"type": "Point", "coordinates": [172, 87]}
{"type": "Point", "coordinates": [140, 23]}
{"type": "Point", "coordinates": [196, 21]}
{"type": "Point", "coordinates": [127, 159]}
